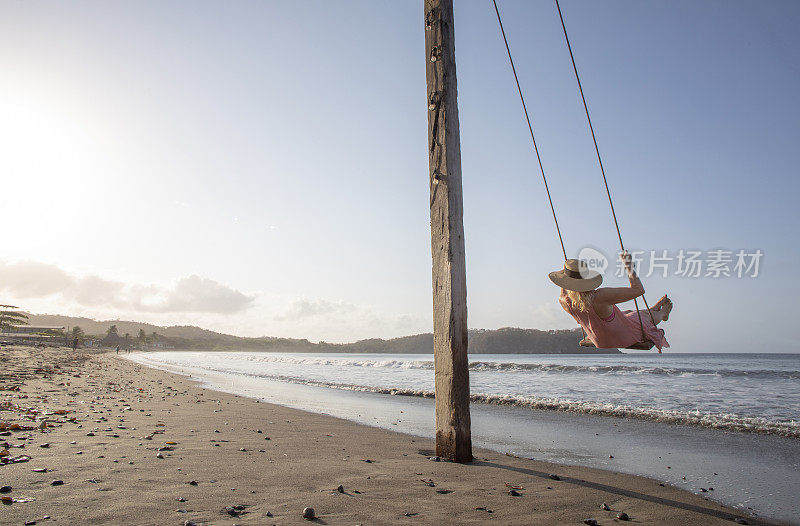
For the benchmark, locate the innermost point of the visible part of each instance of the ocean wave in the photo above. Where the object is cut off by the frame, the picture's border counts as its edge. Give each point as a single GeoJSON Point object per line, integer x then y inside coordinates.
{"type": "Point", "coordinates": [723, 421]}
{"type": "Point", "coordinates": [714, 420]}
{"type": "Point", "coordinates": [478, 366]}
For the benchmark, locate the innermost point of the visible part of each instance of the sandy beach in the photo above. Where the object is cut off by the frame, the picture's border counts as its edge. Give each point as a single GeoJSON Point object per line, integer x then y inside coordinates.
{"type": "Point", "coordinates": [130, 444]}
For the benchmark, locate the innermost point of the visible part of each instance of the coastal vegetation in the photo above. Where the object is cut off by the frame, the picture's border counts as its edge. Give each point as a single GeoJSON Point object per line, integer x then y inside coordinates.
{"type": "Point", "coordinates": [481, 341]}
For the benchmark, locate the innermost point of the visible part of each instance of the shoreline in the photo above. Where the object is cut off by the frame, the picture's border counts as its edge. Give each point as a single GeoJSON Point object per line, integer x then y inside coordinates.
{"type": "Point", "coordinates": [273, 459]}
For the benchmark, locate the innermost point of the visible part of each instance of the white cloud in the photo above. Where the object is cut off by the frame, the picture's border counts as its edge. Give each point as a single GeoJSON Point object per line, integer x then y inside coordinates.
{"type": "Point", "coordinates": [305, 308]}
{"type": "Point", "coordinates": [192, 294]}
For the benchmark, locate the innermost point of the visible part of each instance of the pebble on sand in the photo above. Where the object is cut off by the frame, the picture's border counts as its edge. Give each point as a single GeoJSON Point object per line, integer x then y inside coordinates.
{"type": "Point", "coordinates": [514, 493]}
{"type": "Point", "coordinates": [308, 514]}
{"type": "Point", "coordinates": [340, 488]}
{"type": "Point", "coordinates": [590, 522]}
{"type": "Point", "coordinates": [57, 482]}
{"type": "Point", "coordinates": [605, 507]}
{"type": "Point", "coordinates": [7, 489]}
{"type": "Point", "coordinates": [623, 516]}
{"type": "Point", "coordinates": [555, 477]}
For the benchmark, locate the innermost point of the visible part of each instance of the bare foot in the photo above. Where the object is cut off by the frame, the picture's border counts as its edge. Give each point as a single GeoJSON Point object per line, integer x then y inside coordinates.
{"type": "Point", "coordinates": [666, 309]}
{"type": "Point", "coordinates": [660, 303]}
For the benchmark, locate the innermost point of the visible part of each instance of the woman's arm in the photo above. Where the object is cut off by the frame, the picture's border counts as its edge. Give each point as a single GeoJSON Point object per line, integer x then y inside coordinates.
{"type": "Point", "coordinates": [613, 295]}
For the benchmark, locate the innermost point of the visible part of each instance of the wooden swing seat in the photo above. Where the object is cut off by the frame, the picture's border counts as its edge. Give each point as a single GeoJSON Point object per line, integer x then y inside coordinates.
{"type": "Point", "coordinates": [644, 345]}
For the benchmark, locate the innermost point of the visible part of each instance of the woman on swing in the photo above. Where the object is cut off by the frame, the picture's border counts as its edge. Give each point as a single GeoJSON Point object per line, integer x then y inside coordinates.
{"type": "Point", "coordinates": [595, 309]}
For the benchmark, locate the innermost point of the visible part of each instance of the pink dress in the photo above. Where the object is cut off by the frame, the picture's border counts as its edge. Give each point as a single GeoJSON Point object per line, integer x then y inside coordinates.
{"type": "Point", "coordinates": [621, 329]}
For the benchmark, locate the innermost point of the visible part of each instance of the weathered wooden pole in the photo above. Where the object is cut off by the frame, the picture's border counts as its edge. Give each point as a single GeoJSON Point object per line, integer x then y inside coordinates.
{"type": "Point", "coordinates": [453, 435]}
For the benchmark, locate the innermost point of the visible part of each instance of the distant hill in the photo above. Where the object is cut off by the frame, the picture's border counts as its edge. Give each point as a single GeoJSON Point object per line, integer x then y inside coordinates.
{"type": "Point", "coordinates": [481, 341]}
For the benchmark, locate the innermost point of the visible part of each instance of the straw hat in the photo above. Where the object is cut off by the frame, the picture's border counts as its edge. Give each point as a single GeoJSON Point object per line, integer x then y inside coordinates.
{"type": "Point", "coordinates": [576, 276]}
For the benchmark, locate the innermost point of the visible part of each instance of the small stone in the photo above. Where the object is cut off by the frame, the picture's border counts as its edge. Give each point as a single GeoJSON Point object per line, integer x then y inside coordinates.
{"type": "Point", "coordinates": [193, 483]}
{"type": "Point", "coordinates": [242, 449]}
{"type": "Point", "coordinates": [189, 523]}
{"type": "Point", "coordinates": [435, 459]}
{"type": "Point", "coordinates": [514, 493]}
{"type": "Point", "coordinates": [555, 477]}
{"type": "Point", "coordinates": [590, 522]}
{"type": "Point", "coordinates": [57, 483]}
{"type": "Point", "coordinates": [704, 490]}
{"type": "Point", "coordinates": [610, 456]}
{"type": "Point", "coordinates": [30, 523]}
{"type": "Point", "coordinates": [269, 514]}
{"type": "Point", "coordinates": [181, 499]}
{"type": "Point", "coordinates": [339, 488]}
{"type": "Point", "coordinates": [182, 510]}
{"type": "Point", "coordinates": [232, 511]}
{"type": "Point", "coordinates": [605, 507]}
{"type": "Point", "coordinates": [623, 516]}
{"type": "Point", "coordinates": [308, 514]}
{"type": "Point", "coordinates": [46, 444]}
{"type": "Point", "coordinates": [5, 489]}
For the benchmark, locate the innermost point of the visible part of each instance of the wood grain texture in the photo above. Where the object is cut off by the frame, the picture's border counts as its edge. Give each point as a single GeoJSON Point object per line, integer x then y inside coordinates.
{"type": "Point", "coordinates": [453, 434]}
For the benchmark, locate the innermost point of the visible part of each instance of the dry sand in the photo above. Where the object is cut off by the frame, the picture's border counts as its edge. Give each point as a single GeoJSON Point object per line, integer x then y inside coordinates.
{"type": "Point", "coordinates": [221, 450]}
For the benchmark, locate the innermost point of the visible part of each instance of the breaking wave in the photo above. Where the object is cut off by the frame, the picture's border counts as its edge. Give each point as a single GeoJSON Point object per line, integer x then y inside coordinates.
{"type": "Point", "coordinates": [724, 421]}
{"type": "Point", "coordinates": [531, 367]}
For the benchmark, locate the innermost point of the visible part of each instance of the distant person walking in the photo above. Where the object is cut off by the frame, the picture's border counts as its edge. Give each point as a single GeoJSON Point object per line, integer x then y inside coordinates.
{"type": "Point", "coordinates": [117, 349]}
{"type": "Point", "coordinates": [75, 344]}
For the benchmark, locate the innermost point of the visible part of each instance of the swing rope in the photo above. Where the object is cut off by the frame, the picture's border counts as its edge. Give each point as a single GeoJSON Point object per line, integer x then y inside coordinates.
{"type": "Point", "coordinates": [594, 140]}
{"type": "Point", "coordinates": [600, 162]}
{"type": "Point", "coordinates": [530, 128]}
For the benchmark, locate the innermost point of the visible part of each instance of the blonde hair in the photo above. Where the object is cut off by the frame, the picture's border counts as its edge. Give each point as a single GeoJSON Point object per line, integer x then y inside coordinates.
{"type": "Point", "coordinates": [580, 300]}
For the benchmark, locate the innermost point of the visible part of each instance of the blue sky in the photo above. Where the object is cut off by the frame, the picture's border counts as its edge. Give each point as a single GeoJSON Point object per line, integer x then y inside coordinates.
{"type": "Point", "coordinates": [260, 167]}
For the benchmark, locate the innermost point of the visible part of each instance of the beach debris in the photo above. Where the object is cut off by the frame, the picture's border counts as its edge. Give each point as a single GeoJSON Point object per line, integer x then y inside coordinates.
{"type": "Point", "coordinates": [192, 483]}
{"type": "Point", "coordinates": [189, 523]}
{"type": "Point", "coordinates": [182, 510]}
{"type": "Point", "coordinates": [590, 522]}
{"type": "Point", "coordinates": [308, 514]}
{"type": "Point", "coordinates": [57, 482]}
{"type": "Point", "coordinates": [445, 491]}
{"type": "Point", "coordinates": [605, 507]}
{"type": "Point", "coordinates": [40, 470]}
{"type": "Point", "coordinates": [428, 482]}
{"type": "Point", "coordinates": [181, 499]}
{"type": "Point", "coordinates": [14, 460]}
{"type": "Point", "coordinates": [704, 490]}
{"type": "Point", "coordinates": [5, 489]}
{"type": "Point", "coordinates": [30, 523]}
{"type": "Point", "coordinates": [234, 511]}
{"type": "Point", "coordinates": [7, 500]}
{"type": "Point", "coordinates": [555, 477]}
{"type": "Point", "coordinates": [340, 488]}
{"type": "Point", "coordinates": [159, 455]}
{"type": "Point", "coordinates": [623, 516]}
{"type": "Point", "coordinates": [514, 493]}
{"type": "Point", "coordinates": [434, 459]}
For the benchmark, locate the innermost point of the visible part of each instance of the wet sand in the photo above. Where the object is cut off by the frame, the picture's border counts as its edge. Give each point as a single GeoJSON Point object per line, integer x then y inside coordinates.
{"type": "Point", "coordinates": [135, 445]}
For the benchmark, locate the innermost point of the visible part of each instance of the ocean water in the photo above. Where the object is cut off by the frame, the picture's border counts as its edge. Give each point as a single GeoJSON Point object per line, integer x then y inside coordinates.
{"type": "Point", "coordinates": [744, 392]}
{"type": "Point", "coordinates": [728, 421]}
